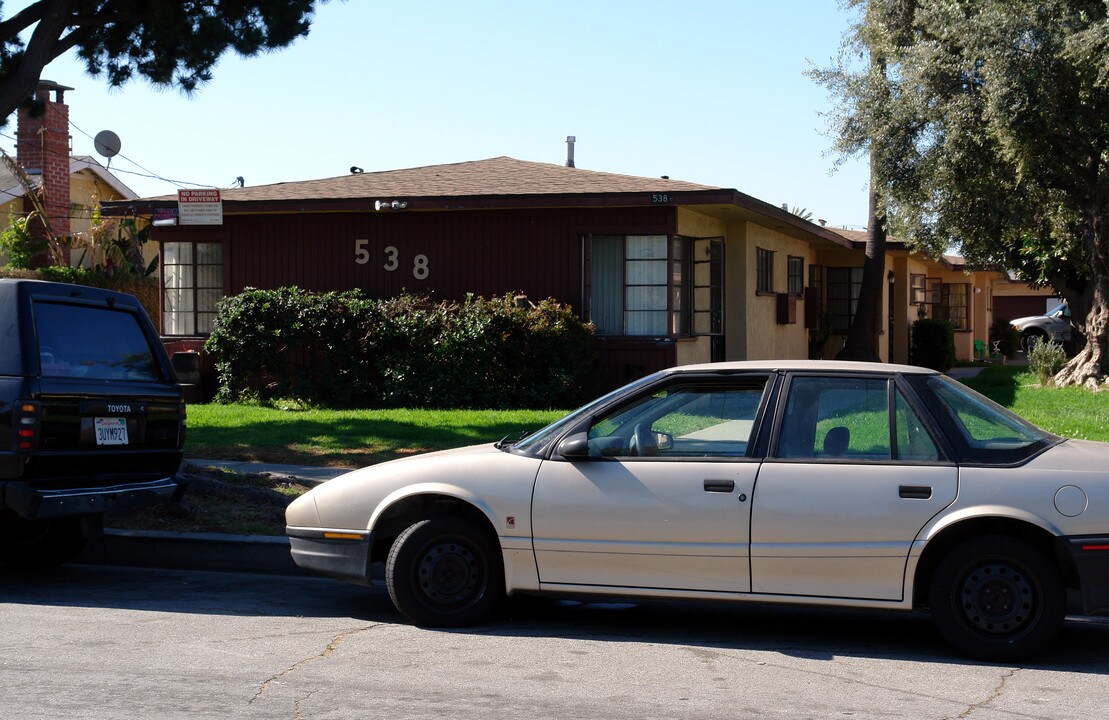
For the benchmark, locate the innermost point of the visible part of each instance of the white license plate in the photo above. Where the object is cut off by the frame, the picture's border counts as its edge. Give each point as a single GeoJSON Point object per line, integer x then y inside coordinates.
{"type": "Point", "coordinates": [110, 431]}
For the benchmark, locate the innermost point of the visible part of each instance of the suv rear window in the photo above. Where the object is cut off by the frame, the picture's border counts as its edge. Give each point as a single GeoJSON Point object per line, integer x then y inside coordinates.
{"type": "Point", "coordinates": [92, 342]}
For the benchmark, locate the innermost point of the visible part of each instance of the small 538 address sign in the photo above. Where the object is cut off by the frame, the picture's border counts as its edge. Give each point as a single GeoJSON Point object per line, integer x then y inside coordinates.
{"type": "Point", "coordinates": [392, 259]}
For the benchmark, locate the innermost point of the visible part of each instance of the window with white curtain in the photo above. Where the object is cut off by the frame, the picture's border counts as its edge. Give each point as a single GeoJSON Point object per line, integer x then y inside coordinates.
{"type": "Point", "coordinates": [192, 282]}
{"type": "Point", "coordinates": [640, 285]}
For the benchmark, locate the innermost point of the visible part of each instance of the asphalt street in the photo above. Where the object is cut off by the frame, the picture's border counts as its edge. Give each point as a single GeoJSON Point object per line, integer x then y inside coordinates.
{"type": "Point", "coordinates": [107, 643]}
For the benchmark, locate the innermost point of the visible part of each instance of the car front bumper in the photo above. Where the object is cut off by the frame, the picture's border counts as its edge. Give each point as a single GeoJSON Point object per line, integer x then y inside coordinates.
{"type": "Point", "coordinates": [1090, 554]}
{"type": "Point", "coordinates": [341, 554]}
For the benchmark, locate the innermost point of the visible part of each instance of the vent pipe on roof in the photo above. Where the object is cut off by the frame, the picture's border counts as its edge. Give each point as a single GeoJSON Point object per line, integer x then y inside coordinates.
{"type": "Point", "coordinates": [570, 140]}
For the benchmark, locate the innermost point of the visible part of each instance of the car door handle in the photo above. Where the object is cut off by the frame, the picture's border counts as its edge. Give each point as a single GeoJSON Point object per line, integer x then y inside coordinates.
{"type": "Point", "coordinates": [915, 492]}
{"type": "Point", "coordinates": [720, 486]}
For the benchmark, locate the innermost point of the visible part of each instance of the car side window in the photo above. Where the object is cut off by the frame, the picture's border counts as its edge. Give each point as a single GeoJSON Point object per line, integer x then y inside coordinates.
{"type": "Point", "coordinates": [836, 418]}
{"type": "Point", "coordinates": [913, 441]}
{"type": "Point", "coordinates": [712, 419]}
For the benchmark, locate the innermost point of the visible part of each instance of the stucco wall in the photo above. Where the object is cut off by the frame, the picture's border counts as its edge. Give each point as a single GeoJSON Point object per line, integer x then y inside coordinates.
{"type": "Point", "coordinates": [766, 339]}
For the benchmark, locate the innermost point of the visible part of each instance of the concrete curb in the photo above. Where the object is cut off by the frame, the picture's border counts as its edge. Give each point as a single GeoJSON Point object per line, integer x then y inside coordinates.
{"type": "Point", "coordinates": [191, 551]}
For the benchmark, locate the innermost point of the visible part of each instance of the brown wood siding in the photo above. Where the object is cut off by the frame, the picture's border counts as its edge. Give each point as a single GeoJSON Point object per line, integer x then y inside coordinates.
{"type": "Point", "coordinates": [626, 359]}
{"type": "Point", "coordinates": [537, 252]}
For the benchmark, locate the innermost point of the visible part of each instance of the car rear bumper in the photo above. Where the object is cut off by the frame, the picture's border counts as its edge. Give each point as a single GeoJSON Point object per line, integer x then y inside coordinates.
{"type": "Point", "coordinates": [1090, 554]}
{"type": "Point", "coordinates": [32, 502]}
{"type": "Point", "coordinates": [341, 554]}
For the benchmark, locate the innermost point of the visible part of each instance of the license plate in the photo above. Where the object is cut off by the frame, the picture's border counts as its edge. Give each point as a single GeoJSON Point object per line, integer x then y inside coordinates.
{"type": "Point", "coordinates": [110, 431]}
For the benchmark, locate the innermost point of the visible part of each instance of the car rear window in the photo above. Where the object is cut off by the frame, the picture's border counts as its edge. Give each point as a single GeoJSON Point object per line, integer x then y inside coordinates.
{"type": "Point", "coordinates": [93, 342]}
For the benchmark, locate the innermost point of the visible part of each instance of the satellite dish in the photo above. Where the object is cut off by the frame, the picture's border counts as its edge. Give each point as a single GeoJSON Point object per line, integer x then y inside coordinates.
{"type": "Point", "coordinates": [107, 143]}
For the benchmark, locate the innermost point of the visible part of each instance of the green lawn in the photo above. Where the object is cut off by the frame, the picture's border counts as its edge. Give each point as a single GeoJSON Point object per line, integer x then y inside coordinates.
{"type": "Point", "coordinates": [345, 438]}
{"type": "Point", "coordinates": [1070, 411]}
{"type": "Point", "coordinates": [354, 438]}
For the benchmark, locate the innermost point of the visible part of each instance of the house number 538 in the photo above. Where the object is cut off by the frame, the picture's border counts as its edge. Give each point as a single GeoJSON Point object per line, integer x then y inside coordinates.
{"type": "Point", "coordinates": [392, 259]}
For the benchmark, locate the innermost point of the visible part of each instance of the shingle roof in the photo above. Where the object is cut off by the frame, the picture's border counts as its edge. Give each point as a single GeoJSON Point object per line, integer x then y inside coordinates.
{"type": "Point", "coordinates": [495, 176]}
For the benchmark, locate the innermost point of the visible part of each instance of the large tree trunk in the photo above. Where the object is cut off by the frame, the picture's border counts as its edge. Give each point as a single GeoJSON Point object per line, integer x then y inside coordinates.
{"type": "Point", "coordinates": [862, 339]}
{"type": "Point", "coordinates": [1090, 366]}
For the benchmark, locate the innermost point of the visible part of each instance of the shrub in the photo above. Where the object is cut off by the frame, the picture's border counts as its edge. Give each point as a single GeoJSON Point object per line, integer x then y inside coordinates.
{"type": "Point", "coordinates": [346, 349]}
{"type": "Point", "coordinates": [145, 289]}
{"type": "Point", "coordinates": [933, 344]}
{"type": "Point", "coordinates": [1005, 336]}
{"type": "Point", "coordinates": [1046, 359]}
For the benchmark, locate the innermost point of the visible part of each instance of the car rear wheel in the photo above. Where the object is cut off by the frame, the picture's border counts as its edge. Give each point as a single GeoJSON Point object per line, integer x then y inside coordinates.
{"type": "Point", "coordinates": [444, 572]}
{"type": "Point", "coordinates": [997, 598]}
{"type": "Point", "coordinates": [38, 544]}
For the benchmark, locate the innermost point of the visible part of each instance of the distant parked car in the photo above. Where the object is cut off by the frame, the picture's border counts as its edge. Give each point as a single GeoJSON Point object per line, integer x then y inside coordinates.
{"type": "Point", "coordinates": [1054, 326]}
{"type": "Point", "coordinates": [802, 482]}
{"type": "Point", "coordinates": [91, 417]}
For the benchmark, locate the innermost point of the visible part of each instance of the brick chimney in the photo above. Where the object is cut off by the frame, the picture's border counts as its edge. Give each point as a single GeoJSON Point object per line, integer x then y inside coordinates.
{"type": "Point", "coordinates": [42, 148]}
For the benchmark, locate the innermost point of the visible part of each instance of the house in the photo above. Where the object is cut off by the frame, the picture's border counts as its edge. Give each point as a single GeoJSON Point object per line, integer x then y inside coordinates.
{"type": "Point", "coordinates": [919, 286]}
{"type": "Point", "coordinates": [669, 272]}
{"type": "Point", "coordinates": [70, 186]}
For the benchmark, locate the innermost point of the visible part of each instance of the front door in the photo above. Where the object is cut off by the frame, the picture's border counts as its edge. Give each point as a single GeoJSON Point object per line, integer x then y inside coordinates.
{"type": "Point", "coordinates": [663, 501]}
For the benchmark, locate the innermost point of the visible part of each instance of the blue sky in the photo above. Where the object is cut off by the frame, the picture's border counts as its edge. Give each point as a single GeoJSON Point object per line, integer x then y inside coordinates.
{"type": "Point", "coordinates": [709, 91]}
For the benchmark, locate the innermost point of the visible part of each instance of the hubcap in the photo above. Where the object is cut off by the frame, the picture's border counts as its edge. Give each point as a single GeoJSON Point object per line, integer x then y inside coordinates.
{"type": "Point", "coordinates": [997, 599]}
{"type": "Point", "coordinates": [449, 573]}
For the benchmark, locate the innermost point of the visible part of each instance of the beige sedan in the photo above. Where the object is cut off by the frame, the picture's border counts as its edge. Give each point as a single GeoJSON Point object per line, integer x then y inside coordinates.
{"type": "Point", "coordinates": [800, 482]}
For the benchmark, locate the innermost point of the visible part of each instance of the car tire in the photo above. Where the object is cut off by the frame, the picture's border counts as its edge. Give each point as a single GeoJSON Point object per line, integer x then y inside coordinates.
{"type": "Point", "coordinates": [444, 571]}
{"type": "Point", "coordinates": [38, 544]}
{"type": "Point", "coordinates": [1027, 339]}
{"type": "Point", "coordinates": [997, 598]}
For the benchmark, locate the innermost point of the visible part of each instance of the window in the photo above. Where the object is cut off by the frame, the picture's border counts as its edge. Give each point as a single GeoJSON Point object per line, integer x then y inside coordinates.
{"type": "Point", "coordinates": [708, 286]}
{"type": "Point", "coordinates": [795, 275]}
{"type": "Point", "coordinates": [844, 286]}
{"type": "Point", "coordinates": [917, 289]}
{"type": "Point", "coordinates": [655, 285]}
{"type": "Point", "coordinates": [849, 418]}
{"type": "Point", "coordinates": [954, 306]}
{"type": "Point", "coordinates": [692, 420]}
{"type": "Point", "coordinates": [93, 342]}
{"type": "Point", "coordinates": [192, 278]}
{"type": "Point", "coordinates": [764, 270]}
{"type": "Point", "coordinates": [829, 417]}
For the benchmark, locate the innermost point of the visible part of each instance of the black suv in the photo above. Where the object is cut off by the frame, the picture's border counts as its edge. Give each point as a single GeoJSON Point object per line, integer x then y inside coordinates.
{"type": "Point", "coordinates": [91, 416]}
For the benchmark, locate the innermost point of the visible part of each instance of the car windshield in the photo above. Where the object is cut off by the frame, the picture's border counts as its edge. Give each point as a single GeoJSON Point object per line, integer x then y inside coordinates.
{"type": "Point", "coordinates": [984, 432]}
{"type": "Point", "coordinates": [538, 442]}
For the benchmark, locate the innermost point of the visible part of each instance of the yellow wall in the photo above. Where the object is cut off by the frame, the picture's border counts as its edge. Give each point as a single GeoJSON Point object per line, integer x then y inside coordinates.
{"type": "Point", "coordinates": [766, 339]}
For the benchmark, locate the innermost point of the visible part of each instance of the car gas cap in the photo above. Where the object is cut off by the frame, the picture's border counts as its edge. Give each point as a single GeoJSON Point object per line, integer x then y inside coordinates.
{"type": "Point", "coordinates": [1070, 501]}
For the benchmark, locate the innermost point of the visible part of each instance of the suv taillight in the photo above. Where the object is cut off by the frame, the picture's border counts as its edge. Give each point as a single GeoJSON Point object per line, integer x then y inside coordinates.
{"type": "Point", "coordinates": [27, 426]}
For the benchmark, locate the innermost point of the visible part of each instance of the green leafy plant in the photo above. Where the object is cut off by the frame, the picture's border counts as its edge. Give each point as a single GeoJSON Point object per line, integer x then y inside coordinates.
{"type": "Point", "coordinates": [19, 244]}
{"type": "Point", "coordinates": [1046, 359]}
{"type": "Point", "coordinates": [344, 349]}
{"type": "Point", "coordinates": [933, 344]}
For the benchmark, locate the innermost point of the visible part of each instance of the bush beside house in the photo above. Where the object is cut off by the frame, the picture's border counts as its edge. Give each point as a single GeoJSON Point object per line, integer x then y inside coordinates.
{"type": "Point", "coordinates": [933, 344]}
{"type": "Point", "coordinates": [345, 349]}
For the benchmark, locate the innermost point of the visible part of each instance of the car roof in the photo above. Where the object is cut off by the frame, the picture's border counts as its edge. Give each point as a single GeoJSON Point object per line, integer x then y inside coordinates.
{"type": "Point", "coordinates": [804, 365]}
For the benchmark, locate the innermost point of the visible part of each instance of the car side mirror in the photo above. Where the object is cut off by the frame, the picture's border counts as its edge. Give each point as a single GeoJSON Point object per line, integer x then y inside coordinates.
{"type": "Point", "coordinates": [575, 447]}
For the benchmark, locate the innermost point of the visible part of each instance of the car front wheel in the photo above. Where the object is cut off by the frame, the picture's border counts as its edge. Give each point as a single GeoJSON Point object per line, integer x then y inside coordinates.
{"type": "Point", "coordinates": [444, 572]}
{"type": "Point", "coordinates": [997, 598]}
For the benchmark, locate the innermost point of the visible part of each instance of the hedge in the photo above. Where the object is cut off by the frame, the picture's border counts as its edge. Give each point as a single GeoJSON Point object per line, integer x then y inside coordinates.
{"type": "Point", "coordinates": [933, 344]}
{"type": "Point", "coordinates": [345, 349]}
{"type": "Point", "coordinates": [143, 288]}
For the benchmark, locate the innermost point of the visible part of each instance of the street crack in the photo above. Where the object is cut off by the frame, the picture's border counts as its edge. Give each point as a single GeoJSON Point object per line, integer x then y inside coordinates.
{"type": "Point", "coordinates": [997, 691]}
{"type": "Point", "coordinates": [331, 647]}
